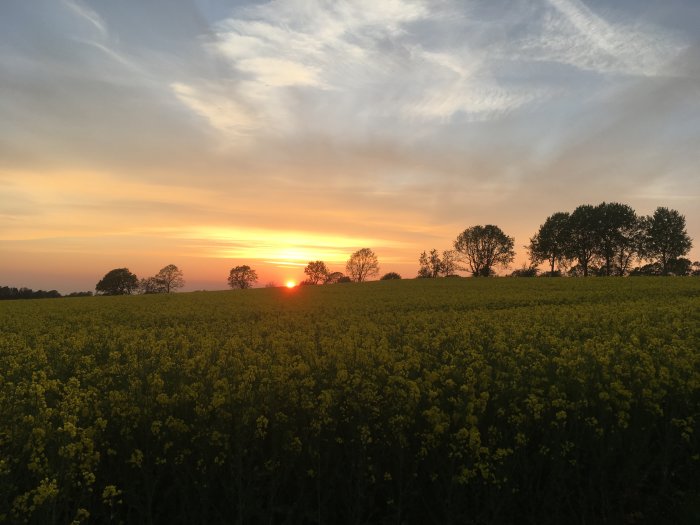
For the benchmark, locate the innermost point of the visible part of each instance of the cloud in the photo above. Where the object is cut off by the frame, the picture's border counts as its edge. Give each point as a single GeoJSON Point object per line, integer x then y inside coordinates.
{"type": "Point", "coordinates": [571, 33]}
{"type": "Point", "coordinates": [88, 14]}
{"type": "Point", "coordinates": [219, 109]}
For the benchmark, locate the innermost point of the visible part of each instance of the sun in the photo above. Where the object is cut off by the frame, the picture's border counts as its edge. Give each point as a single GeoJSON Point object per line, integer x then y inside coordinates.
{"type": "Point", "coordinates": [291, 284]}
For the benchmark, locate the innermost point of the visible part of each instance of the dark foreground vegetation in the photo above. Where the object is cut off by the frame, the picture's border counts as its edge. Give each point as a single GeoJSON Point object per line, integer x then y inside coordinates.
{"type": "Point", "coordinates": [421, 401]}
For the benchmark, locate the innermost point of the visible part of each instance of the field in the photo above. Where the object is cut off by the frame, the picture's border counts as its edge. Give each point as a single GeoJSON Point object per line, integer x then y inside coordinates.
{"type": "Point", "coordinates": [421, 401]}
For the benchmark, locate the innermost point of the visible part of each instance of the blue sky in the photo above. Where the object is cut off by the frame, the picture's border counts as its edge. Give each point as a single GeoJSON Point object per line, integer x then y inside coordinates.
{"type": "Point", "coordinates": [205, 133]}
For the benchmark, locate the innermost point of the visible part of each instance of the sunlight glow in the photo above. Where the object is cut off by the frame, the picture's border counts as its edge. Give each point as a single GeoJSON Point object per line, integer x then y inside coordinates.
{"type": "Point", "coordinates": [291, 284]}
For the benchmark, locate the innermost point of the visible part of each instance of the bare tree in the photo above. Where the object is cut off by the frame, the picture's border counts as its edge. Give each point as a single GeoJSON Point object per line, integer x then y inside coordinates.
{"type": "Point", "coordinates": [362, 264]}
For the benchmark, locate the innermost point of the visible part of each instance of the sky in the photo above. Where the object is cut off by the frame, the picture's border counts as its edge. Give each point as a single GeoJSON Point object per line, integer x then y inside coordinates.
{"type": "Point", "coordinates": [212, 133]}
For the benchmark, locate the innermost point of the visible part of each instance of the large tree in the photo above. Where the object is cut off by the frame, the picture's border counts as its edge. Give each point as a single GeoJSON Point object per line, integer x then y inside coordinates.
{"type": "Point", "coordinates": [119, 281]}
{"type": "Point", "coordinates": [317, 272]}
{"type": "Point", "coordinates": [362, 265]}
{"type": "Point", "coordinates": [550, 241]}
{"type": "Point", "coordinates": [242, 277]}
{"type": "Point", "coordinates": [483, 247]}
{"type": "Point", "coordinates": [583, 243]}
{"type": "Point", "coordinates": [170, 278]}
{"type": "Point", "coordinates": [665, 238]}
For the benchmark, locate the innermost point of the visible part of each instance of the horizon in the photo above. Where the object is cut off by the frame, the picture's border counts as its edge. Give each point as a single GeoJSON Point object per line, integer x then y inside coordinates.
{"type": "Point", "coordinates": [210, 134]}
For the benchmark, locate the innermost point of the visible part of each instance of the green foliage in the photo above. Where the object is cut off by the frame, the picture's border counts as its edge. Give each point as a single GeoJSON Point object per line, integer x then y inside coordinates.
{"type": "Point", "coordinates": [417, 401]}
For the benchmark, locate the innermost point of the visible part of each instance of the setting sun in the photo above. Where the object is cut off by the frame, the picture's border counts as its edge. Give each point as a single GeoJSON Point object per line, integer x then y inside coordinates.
{"type": "Point", "coordinates": [291, 284]}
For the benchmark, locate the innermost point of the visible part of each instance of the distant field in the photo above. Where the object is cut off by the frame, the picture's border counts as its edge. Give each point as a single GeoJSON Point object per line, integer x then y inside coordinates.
{"type": "Point", "coordinates": [416, 401]}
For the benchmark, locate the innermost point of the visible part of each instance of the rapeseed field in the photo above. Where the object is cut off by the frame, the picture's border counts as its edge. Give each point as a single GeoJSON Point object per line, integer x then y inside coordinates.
{"type": "Point", "coordinates": [506, 400]}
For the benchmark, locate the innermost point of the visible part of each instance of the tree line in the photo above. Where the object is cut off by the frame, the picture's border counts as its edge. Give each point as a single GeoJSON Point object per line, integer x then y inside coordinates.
{"type": "Point", "coordinates": [603, 240]}
{"type": "Point", "coordinates": [10, 292]}
{"type": "Point", "coordinates": [121, 281]}
{"type": "Point", "coordinates": [592, 240]}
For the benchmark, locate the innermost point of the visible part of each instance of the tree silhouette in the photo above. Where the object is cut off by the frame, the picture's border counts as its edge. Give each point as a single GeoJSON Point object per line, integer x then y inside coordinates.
{"type": "Point", "coordinates": [334, 277]}
{"type": "Point", "coordinates": [483, 247]}
{"type": "Point", "coordinates": [390, 276]}
{"type": "Point", "coordinates": [242, 277]}
{"type": "Point", "coordinates": [430, 264]}
{"type": "Point", "coordinates": [316, 271]}
{"type": "Point", "coordinates": [665, 238]}
{"type": "Point", "coordinates": [550, 241]}
{"type": "Point", "coordinates": [362, 265]}
{"type": "Point", "coordinates": [170, 278]}
{"type": "Point", "coordinates": [119, 281]}
{"type": "Point", "coordinates": [583, 243]}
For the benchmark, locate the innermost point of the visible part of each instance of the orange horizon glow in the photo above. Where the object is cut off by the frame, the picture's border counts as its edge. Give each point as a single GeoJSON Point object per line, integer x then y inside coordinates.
{"type": "Point", "coordinates": [291, 284]}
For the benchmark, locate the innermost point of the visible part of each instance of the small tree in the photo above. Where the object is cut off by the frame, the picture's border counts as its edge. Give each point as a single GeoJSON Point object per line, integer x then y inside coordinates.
{"type": "Point", "coordinates": [362, 265]}
{"type": "Point", "coordinates": [665, 238]}
{"type": "Point", "coordinates": [151, 285]}
{"type": "Point", "coordinates": [119, 281]}
{"type": "Point", "coordinates": [334, 277]}
{"type": "Point", "coordinates": [170, 278]}
{"type": "Point", "coordinates": [448, 266]}
{"type": "Point", "coordinates": [483, 247]}
{"type": "Point", "coordinates": [317, 272]}
{"type": "Point", "coordinates": [430, 264]}
{"type": "Point", "coordinates": [389, 276]}
{"type": "Point", "coordinates": [242, 277]}
{"type": "Point", "coordinates": [525, 271]}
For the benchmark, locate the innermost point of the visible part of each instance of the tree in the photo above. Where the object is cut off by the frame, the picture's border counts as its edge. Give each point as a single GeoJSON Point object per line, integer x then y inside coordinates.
{"type": "Point", "coordinates": [389, 276]}
{"type": "Point", "coordinates": [665, 238]}
{"type": "Point", "coordinates": [151, 285]}
{"type": "Point", "coordinates": [483, 247]}
{"type": "Point", "coordinates": [549, 243]}
{"type": "Point", "coordinates": [448, 266]}
{"type": "Point", "coordinates": [317, 272]}
{"type": "Point", "coordinates": [430, 265]}
{"type": "Point", "coordinates": [583, 243]}
{"type": "Point", "coordinates": [362, 265]}
{"type": "Point", "coordinates": [119, 281]}
{"type": "Point", "coordinates": [242, 277]}
{"type": "Point", "coordinates": [170, 278]}
{"type": "Point", "coordinates": [617, 230]}
{"type": "Point", "coordinates": [334, 277]}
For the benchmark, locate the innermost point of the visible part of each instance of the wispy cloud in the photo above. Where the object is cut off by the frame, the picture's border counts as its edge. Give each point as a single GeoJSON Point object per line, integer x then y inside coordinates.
{"type": "Point", "coordinates": [571, 33]}
{"type": "Point", "coordinates": [87, 14]}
